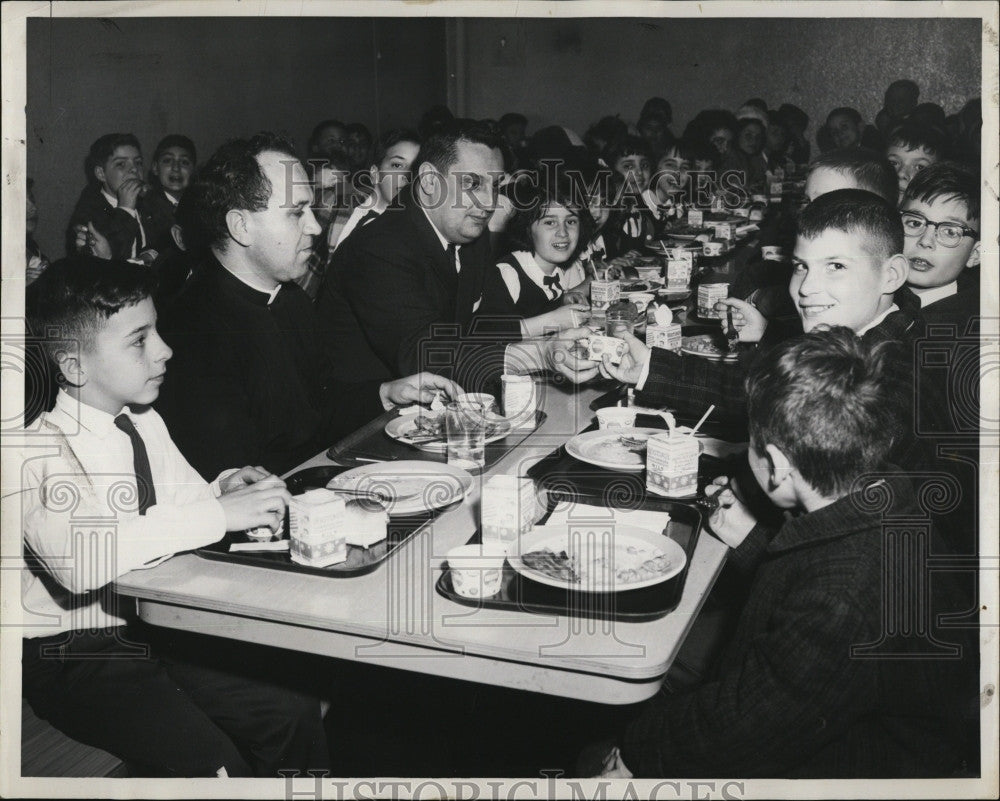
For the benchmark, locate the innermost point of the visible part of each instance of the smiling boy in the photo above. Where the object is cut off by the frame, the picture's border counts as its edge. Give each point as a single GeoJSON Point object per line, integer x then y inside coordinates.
{"type": "Point", "coordinates": [172, 170]}
{"type": "Point", "coordinates": [847, 264]}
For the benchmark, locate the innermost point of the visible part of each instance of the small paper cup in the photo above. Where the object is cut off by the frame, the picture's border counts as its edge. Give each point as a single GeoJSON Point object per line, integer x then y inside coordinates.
{"type": "Point", "coordinates": [477, 401]}
{"type": "Point", "coordinates": [477, 570]}
{"type": "Point", "coordinates": [616, 417]}
{"type": "Point", "coordinates": [641, 300]}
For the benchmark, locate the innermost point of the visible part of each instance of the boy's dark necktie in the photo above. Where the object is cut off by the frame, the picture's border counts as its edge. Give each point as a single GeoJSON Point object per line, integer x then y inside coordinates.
{"type": "Point", "coordinates": [140, 463]}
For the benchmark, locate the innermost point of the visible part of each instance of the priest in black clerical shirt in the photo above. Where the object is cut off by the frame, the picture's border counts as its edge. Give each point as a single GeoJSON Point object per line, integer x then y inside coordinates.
{"type": "Point", "coordinates": [254, 379]}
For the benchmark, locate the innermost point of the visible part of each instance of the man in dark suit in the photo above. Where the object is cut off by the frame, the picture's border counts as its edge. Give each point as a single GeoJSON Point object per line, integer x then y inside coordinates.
{"type": "Point", "coordinates": [252, 376]}
{"type": "Point", "coordinates": [414, 277]}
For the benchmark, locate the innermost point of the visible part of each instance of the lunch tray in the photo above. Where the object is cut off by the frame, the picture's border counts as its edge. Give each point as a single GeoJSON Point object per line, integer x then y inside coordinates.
{"type": "Point", "coordinates": [359, 560]}
{"type": "Point", "coordinates": [521, 594]}
{"type": "Point", "coordinates": [380, 447]}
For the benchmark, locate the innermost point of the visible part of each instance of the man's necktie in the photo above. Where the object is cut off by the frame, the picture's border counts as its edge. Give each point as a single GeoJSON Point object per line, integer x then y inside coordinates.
{"type": "Point", "coordinates": [453, 257]}
{"type": "Point", "coordinates": [369, 217]}
{"type": "Point", "coordinates": [140, 463]}
{"type": "Point", "coordinates": [552, 284]}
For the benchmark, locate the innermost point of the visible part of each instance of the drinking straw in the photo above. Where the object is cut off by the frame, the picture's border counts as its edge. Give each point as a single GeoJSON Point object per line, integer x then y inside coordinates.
{"type": "Point", "coordinates": [704, 417]}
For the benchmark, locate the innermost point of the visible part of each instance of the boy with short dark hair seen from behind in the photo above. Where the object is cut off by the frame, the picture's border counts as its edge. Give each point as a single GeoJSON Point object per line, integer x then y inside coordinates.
{"type": "Point", "coordinates": [808, 687]}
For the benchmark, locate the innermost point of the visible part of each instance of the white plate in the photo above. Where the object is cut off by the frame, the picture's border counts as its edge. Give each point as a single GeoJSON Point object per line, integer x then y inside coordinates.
{"type": "Point", "coordinates": [417, 486]}
{"type": "Point", "coordinates": [714, 357]}
{"type": "Point", "coordinates": [627, 547]}
{"type": "Point", "coordinates": [399, 427]}
{"type": "Point", "coordinates": [603, 448]}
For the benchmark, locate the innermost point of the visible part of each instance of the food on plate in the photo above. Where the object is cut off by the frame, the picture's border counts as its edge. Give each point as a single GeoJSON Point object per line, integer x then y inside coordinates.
{"type": "Point", "coordinates": [596, 567]}
{"type": "Point", "coordinates": [683, 229]}
{"type": "Point", "coordinates": [644, 285]}
{"type": "Point", "coordinates": [617, 272]}
{"type": "Point", "coordinates": [426, 426]}
{"type": "Point", "coordinates": [705, 345]}
{"type": "Point", "coordinates": [554, 565]}
{"type": "Point", "coordinates": [612, 450]}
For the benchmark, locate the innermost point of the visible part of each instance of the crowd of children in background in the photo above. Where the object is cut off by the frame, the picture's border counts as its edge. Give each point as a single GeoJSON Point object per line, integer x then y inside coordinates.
{"type": "Point", "coordinates": [886, 240]}
{"type": "Point", "coordinates": [641, 177]}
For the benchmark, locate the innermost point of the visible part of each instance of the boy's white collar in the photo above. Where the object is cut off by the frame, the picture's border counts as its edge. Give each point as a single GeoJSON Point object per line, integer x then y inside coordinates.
{"type": "Point", "coordinates": [936, 293]}
{"type": "Point", "coordinates": [878, 320]}
{"type": "Point", "coordinates": [96, 421]}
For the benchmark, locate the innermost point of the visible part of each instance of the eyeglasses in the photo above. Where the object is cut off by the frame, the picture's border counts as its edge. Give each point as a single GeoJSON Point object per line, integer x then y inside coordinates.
{"type": "Point", "coordinates": [949, 234]}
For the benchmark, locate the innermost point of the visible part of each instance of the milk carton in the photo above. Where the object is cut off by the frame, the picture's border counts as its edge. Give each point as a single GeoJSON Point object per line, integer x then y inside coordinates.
{"type": "Point", "coordinates": [708, 296]}
{"type": "Point", "coordinates": [696, 218]}
{"type": "Point", "coordinates": [520, 400]}
{"type": "Point", "coordinates": [508, 509]}
{"type": "Point", "coordinates": [679, 273]}
{"type": "Point", "coordinates": [317, 522]}
{"type": "Point", "coordinates": [603, 293]}
{"type": "Point", "coordinates": [664, 336]}
{"type": "Point", "coordinates": [723, 230]}
{"type": "Point", "coordinates": [597, 346]}
{"type": "Point", "coordinates": [672, 464]}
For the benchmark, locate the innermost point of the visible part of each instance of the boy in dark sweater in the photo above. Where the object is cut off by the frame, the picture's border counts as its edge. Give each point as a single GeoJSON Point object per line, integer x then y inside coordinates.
{"type": "Point", "coordinates": [820, 679]}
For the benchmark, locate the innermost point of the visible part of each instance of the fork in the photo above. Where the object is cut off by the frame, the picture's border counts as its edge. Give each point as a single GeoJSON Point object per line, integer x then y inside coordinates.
{"type": "Point", "coordinates": [732, 335]}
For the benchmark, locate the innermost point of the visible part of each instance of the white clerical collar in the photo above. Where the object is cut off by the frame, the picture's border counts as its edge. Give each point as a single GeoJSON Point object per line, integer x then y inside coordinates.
{"type": "Point", "coordinates": [878, 320]}
{"type": "Point", "coordinates": [936, 293]}
{"type": "Point", "coordinates": [254, 283]}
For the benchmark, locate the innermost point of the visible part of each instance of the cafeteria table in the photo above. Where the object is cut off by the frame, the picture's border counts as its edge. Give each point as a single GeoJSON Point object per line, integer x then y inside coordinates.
{"type": "Point", "coordinates": [393, 616]}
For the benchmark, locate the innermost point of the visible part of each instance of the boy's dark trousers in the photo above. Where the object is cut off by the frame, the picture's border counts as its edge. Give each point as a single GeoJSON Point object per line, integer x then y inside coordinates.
{"type": "Point", "coordinates": [166, 714]}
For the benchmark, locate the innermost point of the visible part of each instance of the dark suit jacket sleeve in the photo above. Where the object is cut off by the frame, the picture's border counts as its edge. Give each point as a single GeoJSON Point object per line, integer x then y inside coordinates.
{"type": "Point", "coordinates": [790, 694]}
{"type": "Point", "coordinates": [690, 385]}
{"type": "Point", "coordinates": [120, 227]}
{"type": "Point", "coordinates": [350, 352]}
{"type": "Point", "coordinates": [209, 413]}
{"type": "Point", "coordinates": [389, 301]}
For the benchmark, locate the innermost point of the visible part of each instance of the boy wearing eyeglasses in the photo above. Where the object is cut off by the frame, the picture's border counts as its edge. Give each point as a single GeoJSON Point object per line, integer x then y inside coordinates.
{"type": "Point", "coordinates": [940, 214]}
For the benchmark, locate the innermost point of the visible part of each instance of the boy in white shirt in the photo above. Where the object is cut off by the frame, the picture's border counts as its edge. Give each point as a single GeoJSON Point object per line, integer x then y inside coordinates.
{"type": "Point", "coordinates": [116, 495]}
